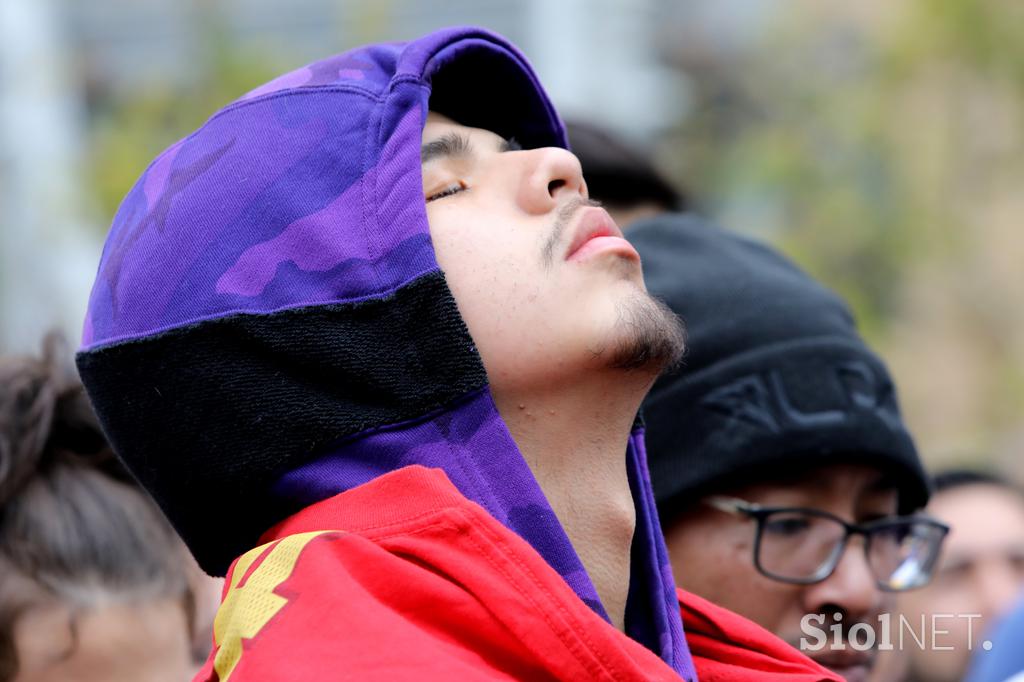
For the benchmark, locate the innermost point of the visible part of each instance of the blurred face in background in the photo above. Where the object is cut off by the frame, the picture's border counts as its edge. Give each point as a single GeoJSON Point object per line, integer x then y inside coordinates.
{"type": "Point", "coordinates": [137, 641]}
{"type": "Point", "coordinates": [980, 571]}
{"type": "Point", "coordinates": [712, 555]}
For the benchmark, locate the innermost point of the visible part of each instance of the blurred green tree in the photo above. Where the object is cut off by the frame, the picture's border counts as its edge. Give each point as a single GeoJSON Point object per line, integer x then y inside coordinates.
{"type": "Point", "coordinates": [881, 145]}
{"type": "Point", "coordinates": [129, 128]}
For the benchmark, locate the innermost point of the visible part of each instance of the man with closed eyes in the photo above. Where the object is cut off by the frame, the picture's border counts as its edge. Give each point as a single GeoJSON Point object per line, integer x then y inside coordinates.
{"type": "Point", "coordinates": [378, 356]}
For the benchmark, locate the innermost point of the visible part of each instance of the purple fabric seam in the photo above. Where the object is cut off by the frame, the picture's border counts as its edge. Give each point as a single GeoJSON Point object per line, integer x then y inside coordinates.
{"type": "Point", "coordinates": [292, 92]}
{"type": "Point", "coordinates": [235, 106]}
{"type": "Point", "coordinates": [141, 336]}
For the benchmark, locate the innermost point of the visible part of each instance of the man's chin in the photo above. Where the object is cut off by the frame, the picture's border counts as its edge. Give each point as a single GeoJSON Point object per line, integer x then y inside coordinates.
{"type": "Point", "coordinates": [848, 663]}
{"type": "Point", "coordinates": [652, 338]}
{"type": "Point", "coordinates": [853, 672]}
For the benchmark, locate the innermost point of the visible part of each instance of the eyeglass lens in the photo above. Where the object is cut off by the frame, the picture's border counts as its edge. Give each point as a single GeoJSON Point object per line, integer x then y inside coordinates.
{"type": "Point", "coordinates": [798, 546]}
{"type": "Point", "coordinates": [805, 547]}
{"type": "Point", "coordinates": [902, 556]}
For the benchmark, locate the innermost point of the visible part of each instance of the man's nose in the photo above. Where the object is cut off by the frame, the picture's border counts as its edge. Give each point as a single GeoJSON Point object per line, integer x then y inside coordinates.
{"type": "Point", "coordinates": [851, 588]}
{"type": "Point", "coordinates": [550, 175]}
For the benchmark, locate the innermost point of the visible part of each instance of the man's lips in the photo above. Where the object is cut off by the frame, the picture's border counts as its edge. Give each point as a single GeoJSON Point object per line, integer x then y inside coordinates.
{"type": "Point", "coordinates": [852, 665]}
{"type": "Point", "coordinates": [595, 230]}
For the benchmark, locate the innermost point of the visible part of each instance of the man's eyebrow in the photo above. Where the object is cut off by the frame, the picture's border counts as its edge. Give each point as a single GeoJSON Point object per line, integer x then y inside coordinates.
{"type": "Point", "coordinates": [884, 483]}
{"type": "Point", "coordinates": [452, 145]}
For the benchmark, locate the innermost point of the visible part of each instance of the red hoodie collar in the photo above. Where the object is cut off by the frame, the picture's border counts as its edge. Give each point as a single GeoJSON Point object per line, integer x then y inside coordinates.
{"type": "Point", "coordinates": [727, 647]}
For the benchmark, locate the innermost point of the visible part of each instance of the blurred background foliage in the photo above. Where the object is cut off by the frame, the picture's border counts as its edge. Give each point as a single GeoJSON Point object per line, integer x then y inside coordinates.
{"type": "Point", "coordinates": [129, 127]}
{"type": "Point", "coordinates": [879, 143]}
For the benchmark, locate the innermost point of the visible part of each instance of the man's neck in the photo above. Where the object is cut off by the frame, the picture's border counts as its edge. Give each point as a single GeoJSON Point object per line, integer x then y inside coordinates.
{"type": "Point", "coordinates": [574, 439]}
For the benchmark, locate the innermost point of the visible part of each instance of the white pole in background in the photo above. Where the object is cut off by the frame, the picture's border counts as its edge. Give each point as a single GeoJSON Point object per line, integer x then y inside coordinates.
{"type": "Point", "coordinates": [48, 256]}
{"type": "Point", "coordinates": [599, 62]}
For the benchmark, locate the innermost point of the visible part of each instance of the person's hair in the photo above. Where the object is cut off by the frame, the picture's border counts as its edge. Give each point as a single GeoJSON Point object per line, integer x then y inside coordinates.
{"type": "Point", "coordinates": [617, 174]}
{"type": "Point", "coordinates": [949, 479]}
{"type": "Point", "coordinates": [74, 527]}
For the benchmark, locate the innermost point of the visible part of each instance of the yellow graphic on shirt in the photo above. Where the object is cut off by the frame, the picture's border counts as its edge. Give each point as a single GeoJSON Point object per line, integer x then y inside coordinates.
{"type": "Point", "coordinates": [248, 608]}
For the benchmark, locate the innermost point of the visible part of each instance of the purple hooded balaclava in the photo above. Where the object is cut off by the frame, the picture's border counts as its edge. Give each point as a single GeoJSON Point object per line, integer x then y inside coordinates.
{"type": "Point", "coordinates": [269, 326]}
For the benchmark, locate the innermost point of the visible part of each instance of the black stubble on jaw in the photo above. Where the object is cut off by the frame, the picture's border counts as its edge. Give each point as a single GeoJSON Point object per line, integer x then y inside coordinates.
{"type": "Point", "coordinates": [649, 336]}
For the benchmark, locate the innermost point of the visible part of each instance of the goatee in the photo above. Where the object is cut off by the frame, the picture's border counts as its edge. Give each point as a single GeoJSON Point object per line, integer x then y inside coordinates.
{"type": "Point", "coordinates": [650, 336]}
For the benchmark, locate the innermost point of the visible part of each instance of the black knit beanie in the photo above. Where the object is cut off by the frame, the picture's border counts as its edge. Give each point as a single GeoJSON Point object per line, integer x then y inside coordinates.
{"type": "Point", "coordinates": [776, 377]}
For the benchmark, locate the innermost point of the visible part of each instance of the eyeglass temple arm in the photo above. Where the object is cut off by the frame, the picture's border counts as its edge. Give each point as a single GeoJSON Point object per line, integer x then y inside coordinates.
{"type": "Point", "coordinates": [731, 505]}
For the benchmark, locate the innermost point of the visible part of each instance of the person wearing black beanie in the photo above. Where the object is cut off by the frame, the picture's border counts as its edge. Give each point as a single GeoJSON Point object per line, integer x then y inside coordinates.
{"type": "Point", "coordinates": [786, 481]}
{"type": "Point", "coordinates": [787, 485]}
{"type": "Point", "coordinates": [776, 374]}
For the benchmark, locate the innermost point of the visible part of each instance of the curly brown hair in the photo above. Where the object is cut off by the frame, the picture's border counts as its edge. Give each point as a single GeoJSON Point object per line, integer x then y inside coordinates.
{"type": "Point", "coordinates": [74, 527]}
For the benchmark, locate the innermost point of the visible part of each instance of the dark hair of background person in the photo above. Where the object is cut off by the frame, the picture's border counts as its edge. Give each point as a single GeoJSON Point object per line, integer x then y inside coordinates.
{"type": "Point", "coordinates": [74, 527]}
{"type": "Point", "coordinates": [618, 175]}
{"type": "Point", "coordinates": [948, 479]}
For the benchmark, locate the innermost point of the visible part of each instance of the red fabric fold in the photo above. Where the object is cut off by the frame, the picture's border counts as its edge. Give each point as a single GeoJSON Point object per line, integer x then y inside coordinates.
{"type": "Point", "coordinates": [405, 579]}
{"type": "Point", "coordinates": [727, 647]}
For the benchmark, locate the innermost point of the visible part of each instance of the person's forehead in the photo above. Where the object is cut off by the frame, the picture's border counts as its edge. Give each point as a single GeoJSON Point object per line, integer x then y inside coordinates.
{"type": "Point", "coordinates": [971, 495]}
{"type": "Point", "coordinates": [438, 125]}
{"type": "Point", "coordinates": [973, 506]}
{"type": "Point", "coordinates": [830, 480]}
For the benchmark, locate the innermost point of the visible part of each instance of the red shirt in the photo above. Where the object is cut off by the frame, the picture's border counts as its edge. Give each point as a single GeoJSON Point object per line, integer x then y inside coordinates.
{"type": "Point", "coordinates": [726, 647]}
{"type": "Point", "coordinates": [405, 579]}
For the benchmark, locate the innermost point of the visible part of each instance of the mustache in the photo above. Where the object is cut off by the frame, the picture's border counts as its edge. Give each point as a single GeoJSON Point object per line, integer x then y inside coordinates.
{"type": "Point", "coordinates": [562, 220]}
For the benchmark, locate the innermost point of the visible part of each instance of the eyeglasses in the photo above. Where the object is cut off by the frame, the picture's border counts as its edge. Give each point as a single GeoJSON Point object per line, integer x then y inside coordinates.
{"type": "Point", "coordinates": [803, 546]}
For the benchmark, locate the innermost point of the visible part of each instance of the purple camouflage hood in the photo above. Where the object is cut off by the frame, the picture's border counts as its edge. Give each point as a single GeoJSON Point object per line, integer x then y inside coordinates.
{"type": "Point", "coordinates": [269, 326]}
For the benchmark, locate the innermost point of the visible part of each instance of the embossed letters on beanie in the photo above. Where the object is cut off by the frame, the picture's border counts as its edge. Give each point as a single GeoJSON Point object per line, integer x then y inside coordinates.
{"type": "Point", "coordinates": [763, 401]}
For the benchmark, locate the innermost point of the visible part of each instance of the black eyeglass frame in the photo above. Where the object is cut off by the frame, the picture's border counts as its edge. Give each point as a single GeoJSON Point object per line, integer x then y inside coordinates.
{"type": "Point", "coordinates": [759, 513]}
